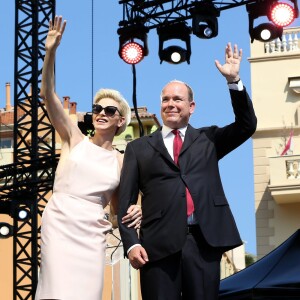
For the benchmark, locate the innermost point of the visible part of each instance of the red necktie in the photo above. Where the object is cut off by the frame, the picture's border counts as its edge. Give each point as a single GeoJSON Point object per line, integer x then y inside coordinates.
{"type": "Point", "coordinates": [177, 144]}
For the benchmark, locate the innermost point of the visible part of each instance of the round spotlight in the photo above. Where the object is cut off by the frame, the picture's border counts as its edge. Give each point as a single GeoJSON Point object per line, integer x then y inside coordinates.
{"type": "Point", "coordinates": [132, 53]}
{"type": "Point", "coordinates": [23, 214]}
{"type": "Point", "coordinates": [266, 32]}
{"type": "Point", "coordinates": [174, 55]}
{"type": "Point", "coordinates": [282, 14]}
{"type": "Point", "coordinates": [208, 32]}
{"type": "Point", "coordinates": [6, 230]}
{"type": "Point", "coordinates": [205, 31]}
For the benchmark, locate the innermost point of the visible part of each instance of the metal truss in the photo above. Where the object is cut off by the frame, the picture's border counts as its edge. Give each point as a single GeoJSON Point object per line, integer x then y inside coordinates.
{"type": "Point", "coordinates": [153, 13]}
{"type": "Point", "coordinates": [26, 183]}
{"type": "Point", "coordinates": [16, 196]}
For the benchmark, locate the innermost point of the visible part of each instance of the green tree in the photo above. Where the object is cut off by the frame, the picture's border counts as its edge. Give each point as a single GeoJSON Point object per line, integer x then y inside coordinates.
{"type": "Point", "coordinates": [249, 259]}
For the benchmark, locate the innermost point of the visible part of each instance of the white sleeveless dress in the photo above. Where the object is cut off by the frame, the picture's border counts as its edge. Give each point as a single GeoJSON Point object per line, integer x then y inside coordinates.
{"type": "Point", "coordinates": [73, 237]}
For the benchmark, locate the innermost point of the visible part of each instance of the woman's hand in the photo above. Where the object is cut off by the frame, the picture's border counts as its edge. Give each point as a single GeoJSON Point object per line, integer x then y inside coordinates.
{"type": "Point", "coordinates": [55, 33]}
{"type": "Point", "coordinates": [133, 217]}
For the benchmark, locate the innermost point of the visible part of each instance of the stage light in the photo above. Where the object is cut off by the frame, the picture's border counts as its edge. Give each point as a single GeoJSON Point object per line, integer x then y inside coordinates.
{"type": "Point", "coordinates": [282, 14]}
{"type": "Point", "coordinates": [23, 214]}
{"type": "Point", "coordinates": [205, 20]}
{"type": "Point", "coordinates": [266, 32]}
{"type": "Point", "coordinates": [132, 53]}
{"type": "Point", "coordinates": [174, 54]}
{"type": "Point", "coordinates": [129, 50]}
{"type": "Point", "coordinates": [6, 230]}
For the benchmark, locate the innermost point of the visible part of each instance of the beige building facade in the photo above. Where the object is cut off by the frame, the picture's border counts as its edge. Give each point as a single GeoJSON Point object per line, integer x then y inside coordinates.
{"type": "Point", "coordinates": [275, 85]}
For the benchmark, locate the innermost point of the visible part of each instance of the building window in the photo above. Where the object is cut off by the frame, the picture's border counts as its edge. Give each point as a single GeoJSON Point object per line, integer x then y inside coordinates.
{"type": "Point", "coordinates": [6, 143]}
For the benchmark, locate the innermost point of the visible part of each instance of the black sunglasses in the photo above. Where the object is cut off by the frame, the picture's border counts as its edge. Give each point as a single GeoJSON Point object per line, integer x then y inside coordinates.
{"type": "Point", "coordinates": [108, 110]}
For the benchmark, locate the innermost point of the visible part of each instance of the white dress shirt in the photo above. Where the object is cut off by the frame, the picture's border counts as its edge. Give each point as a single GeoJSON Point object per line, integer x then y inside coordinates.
{"type": "Point", "coordinates": [168, 138]}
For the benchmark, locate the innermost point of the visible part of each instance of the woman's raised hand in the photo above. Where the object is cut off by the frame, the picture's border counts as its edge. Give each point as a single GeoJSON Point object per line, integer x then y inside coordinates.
{"type": "Point", "coordinates": [55, 33]}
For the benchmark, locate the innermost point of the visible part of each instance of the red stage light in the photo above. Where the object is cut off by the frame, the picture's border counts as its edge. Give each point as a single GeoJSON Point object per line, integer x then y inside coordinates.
{"type": "Point", "coordinates": [282, 14]}
{"type": "Point", "coordinates": [132, 53]}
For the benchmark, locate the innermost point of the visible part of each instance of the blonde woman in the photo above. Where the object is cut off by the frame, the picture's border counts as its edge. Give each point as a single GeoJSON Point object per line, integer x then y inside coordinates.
{"type": "Point", "coordinates": [74, 227]}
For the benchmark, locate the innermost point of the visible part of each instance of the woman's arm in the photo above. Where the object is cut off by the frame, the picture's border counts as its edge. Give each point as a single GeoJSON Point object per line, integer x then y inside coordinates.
{"type": "Point", "coordinates": [133, 217]}
{"type": "Point", "coordinates": [59, 119]}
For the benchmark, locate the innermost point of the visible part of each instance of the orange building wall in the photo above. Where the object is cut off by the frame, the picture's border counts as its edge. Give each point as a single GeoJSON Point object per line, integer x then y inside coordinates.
{"type": "Point", "coordinates": [6, 264]}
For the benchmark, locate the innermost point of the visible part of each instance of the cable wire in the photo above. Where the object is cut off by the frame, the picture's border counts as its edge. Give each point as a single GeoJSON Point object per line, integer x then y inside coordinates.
{"type": "Point", "coordinates": [141, 128]}
{"type": "Point", "coordinates": [92, 52]}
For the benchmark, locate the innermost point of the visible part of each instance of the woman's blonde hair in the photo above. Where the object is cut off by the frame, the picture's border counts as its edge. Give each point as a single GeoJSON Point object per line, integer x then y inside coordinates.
{"type": "Point", "coordinates": [124, 107]}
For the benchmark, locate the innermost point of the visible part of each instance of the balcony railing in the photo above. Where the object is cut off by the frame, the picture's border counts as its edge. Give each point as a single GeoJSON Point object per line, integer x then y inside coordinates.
{"type": "Point", "coordinates": [289, 42]}
{"type": "Point", "coordinates": [285, 178]}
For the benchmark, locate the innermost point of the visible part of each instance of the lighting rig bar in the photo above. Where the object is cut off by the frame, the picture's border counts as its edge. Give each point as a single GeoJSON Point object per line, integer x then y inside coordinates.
{"type": "Point", "coordinates": [155, 13]}
{"type": "Point", "coordinates": [18, 177]}
{"type": "Point", "coordinates": [170, 20]}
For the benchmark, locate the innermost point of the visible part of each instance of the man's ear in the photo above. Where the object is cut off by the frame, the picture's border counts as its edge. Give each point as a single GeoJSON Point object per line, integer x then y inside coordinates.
{"type": "Point", "coordinates": [192, 107]}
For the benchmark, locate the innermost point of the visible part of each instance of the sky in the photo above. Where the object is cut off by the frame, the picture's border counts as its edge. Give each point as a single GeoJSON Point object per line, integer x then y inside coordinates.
{"type": "Point", "coordinates": [79, 74]}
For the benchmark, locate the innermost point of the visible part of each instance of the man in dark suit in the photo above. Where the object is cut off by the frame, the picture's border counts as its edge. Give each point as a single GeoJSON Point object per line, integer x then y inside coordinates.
{"type": "Point", "coordinates": [187, 222]}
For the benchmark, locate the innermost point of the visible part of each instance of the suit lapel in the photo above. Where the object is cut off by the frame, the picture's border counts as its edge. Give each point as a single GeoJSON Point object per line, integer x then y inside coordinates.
{"type": "Point", "coordinates": [156, 141]}
{"type": "Point", "coordinates": [190, 136]}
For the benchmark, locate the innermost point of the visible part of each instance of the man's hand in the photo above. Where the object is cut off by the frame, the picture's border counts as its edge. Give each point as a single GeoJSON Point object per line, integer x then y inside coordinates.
{"type": "Point", "coordinates": [230, 70]}
{"type": "Point", "coordinates": [138, 257]}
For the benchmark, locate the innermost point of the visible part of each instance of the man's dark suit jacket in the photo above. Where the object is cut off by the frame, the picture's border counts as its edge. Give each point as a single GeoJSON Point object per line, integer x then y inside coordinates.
{"type": "Point", "coordinates": [148, 168]}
